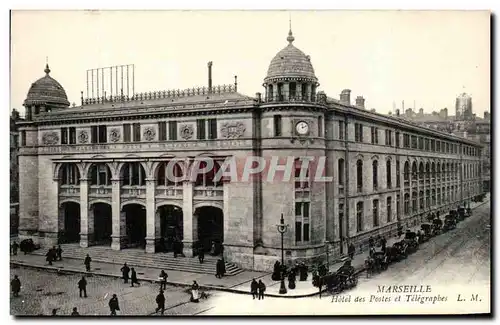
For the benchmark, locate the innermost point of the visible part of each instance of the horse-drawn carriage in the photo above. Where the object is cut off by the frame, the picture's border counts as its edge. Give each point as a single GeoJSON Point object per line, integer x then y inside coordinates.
{"type": "Point", "coordinates": [376, 263]}
{"type": "Point", "coordinates": [345, 278]}
{"type": "Point", "coordinates": [411, 242]}
{"type": "Point", "coordinates": [461, 213]}
{"type": "Point", "coordinates": [28, 246]}
{"type": "Point", "coordinates": [437, 225]}
{"type": "Point", "coordinates": [468, 212]}
{"type": "Point", "coordinates": [397, 252]}
{"type": "Point", "coordinates": [426, 231]}
{"type": "Point", "coordinates": [450, 222]}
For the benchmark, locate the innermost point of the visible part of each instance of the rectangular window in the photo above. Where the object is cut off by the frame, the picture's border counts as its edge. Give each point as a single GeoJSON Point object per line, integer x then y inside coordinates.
{"type": "Point", "coordinates": [103, 134]}
{"type": "Point", "coordinates": [374, 135]}
{"type": "Point", "coordinates": [137, 132]}
{"type": "Point", "coordinates": [341, 220]}
{"type": "Point", "coordinates": [162, 131]}
{"type": "Point", "coordinates": [375, 213]}
{"type": "Point", "coordinates": [93, 134]}
{"type": "Point", "coordinates": [320, 126]}
{"type": "Point", "coordinates": [438, 146]}
{"type": "Point", "coordinates": [200, 130]}
{"type": "Point", "coordinates": [406, 140]}
{"type": "Point", "coordinates": [277, 125]}
{"type": "Point", "coordinates": [126, 133]}
{"type": "Point", "coordinates": [341, 130]}
{"type": "Point", "coordinates": [420, 143]}
{"type": "Point", "coordinates": [388, 137]}
{"type": "Point", "coordinates": [302, 221]}
{"type": "Point", "coordinates": [212, 129]}
{"type": "Point", "coordinates": [358, 132]}
{"type": "Point", "coordinates": [414, 144]}
{"type": "Point", "coordinates": [72, 135]}
{"type": "Point", "coordinates": [398, 206]}
{"type": "Point", "coordinates": [397, 139]}
{"type": "Point", "coordinates": [398, 176]}
{"type": "Point", "coordinates": [172, 130]}
{"type": "Point", "coordinates": [64, 136]}
{"type": "Point", "coordinates": [359, 216]}
{"type": "Point", "coordinates": [23, 138]}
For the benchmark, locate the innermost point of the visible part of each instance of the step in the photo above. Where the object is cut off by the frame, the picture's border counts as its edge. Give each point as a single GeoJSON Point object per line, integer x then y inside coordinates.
{"type": "Point", "coordinates": [139, 258]}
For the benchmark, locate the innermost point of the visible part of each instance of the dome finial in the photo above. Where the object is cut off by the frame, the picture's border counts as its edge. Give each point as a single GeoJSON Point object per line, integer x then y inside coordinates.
{"type": "Point", "coordinates": [290, 37]}
{"type": "Point", "coordinates": [47, 70]}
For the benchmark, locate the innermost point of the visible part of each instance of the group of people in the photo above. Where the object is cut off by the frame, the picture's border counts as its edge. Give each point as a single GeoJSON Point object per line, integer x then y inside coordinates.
{"type": "Point", "coordinates": [133, 275]}
{"type": "Point", "coordinates": [54, 254]}
{"type": "Point", "coordinates": [257, 289]}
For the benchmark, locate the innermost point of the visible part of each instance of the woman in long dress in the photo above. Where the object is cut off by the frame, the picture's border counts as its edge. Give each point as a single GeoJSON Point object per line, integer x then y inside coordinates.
{"type": "Point", "coordinates": [195, 295]}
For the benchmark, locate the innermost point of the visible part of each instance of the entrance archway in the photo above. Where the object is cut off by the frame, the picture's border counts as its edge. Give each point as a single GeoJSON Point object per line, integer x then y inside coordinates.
{"type": "Point", "coordinates": [171, 226]}
{"type": "Point", "coordinates": [102, 223]}
{"type": "Point", "coordinates": [71, 212]}
{"type": "Point", "coordinates": [210, 227]}
{"type": "Point", "coordinates": [135, 216]}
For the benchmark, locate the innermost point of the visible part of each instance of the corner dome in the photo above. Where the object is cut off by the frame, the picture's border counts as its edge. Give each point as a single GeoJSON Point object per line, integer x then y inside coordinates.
{"type": "Point", "coordinates": [291, 62]}
{"type": "Point", "coordinates": [47, 91]}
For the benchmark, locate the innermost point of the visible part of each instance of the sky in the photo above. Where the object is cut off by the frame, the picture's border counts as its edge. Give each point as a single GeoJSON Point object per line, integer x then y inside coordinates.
{"type": "Point", "coordinates": [422, 57]}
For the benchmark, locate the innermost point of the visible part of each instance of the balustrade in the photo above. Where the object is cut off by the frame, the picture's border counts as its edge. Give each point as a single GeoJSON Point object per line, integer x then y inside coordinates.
{"type": "Point", "coordinates": [208, 192]}
{"type": "Point", "coordinates": [131, 191]}
{"type": "Point", "coordinates": [69, 190]}
{"type": "Point", "coordinates": [169, 191]}
{"type": "Point", "coordinates": [100, 190]}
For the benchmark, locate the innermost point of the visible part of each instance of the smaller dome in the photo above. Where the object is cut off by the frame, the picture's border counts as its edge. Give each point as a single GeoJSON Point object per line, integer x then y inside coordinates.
{"type": "Point", "coordinates": [46, 91]}
{"type": "Point", "coordinates": [291, 62]}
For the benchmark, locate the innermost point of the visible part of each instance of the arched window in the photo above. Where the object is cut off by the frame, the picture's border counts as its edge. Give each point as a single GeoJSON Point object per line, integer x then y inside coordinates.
{"type": "Point", "coordinates": [359, 175]}
{"type": "Point", "coordinates": [427, 170]}
{"type": "Point", "coordinates": [341, 171]}
{"type": "Point", "coordinates": [433, 197]}
{"type": "Point", "coordinates": [414, 206]}
{"type": "Point", "coordinates": [438, 170]}
{"type": "Point", "coordinates": [421, 199]}
{"type": "Point", "coordinates": [375, 213]}
{"type": "Point", "coordinates": [169, 174]}
{"type": "Point", "coordinates": [388, 173]}
{"type": "Point", "coordinates": [69, 174]}
{"type": "Point", "coordinates": [270, 93]}
{"type": "Point", "coordinates": [407, 204]}
{"type": "Point", "coordinates": [100, 174]}
{"type": "Point", "coordinates": [207, 178]}
{"type": "Point", "coordinates": [407, 171]}
{"type": "Point", "coordinates": [133, 174]}
{"type": "Point", "coordinates": [414, 171]}
{"type": "Point", "coordinates": [443, 171]}
{"type": "Point", "coordinates": [375, 175]}
{"type": "Point", "coordinates": [427, 198]}
{"type": "Point", "coordinates": [433, 169]}
{"type": "Point", "coordinates": [421, 171]}
{"type": "Point", "coordinates": [389, 209]}
{"type": "Point", "coordinates": [359, 216]}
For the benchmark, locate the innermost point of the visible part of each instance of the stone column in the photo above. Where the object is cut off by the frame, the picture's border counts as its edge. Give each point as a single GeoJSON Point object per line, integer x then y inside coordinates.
{"type": "Point", "coordinates": [225, 216]}
{"type": "Point", "coordinates": [150, 216]}
{"type": "Point", "coordinates": [84, 213]}
{"type": "Point", "coordinates": [298, 91]}
{"type": "Point", "coordinates": [118, 222]}
{"type": "Point", "coordinates": [190, 222]}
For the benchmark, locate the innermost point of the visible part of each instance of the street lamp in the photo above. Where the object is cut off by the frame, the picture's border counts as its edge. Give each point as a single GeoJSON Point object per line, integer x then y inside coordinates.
{"type": "Point", "coordinates": [327, 244]}
{"type": "Point", "coordinates": [282, 228]}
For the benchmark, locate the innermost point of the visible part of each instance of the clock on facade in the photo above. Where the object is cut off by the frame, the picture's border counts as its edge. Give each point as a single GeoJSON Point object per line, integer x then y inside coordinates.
{"type": "Point", "coordinates": [302, 128]}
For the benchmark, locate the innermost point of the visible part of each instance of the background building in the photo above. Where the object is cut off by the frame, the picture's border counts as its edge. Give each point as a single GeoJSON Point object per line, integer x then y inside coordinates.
{"type": "Point", "coordinates": [14, 172]}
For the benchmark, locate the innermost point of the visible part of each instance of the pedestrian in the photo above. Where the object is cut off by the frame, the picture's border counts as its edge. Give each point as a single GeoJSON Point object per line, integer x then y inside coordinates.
{"type": "Point", "coordinates": [201, 255]}
{"type": "Point", "coordinates": [262, 289]}
{"type": "Point", "coordinates": [87, 262]}
{"type": "Point", "coordinates": [113, 305]}
{"type": "Point", "coordinates": [222, 267]}
{"type": "Point", "coordinates": [218, 269]}
{"type": "Point", "coordinates": [160, 301]}
{"type": "Point", "coordinates": [15, 247]}
{"type": "Point", "coordinates": [133, 278]}
{"type": "Point", "coordinates": [370, 241]}
{"type": "Point", "coordinates": [48, 256]}
{"type": "Point", "coordinates": [254, 287]}
{"type": "Point", "coordinates": [15, 286]}
{"type": "Point", "coordinates": [75, 312]}
{"type": "Point", "coordinates": [125, 270]}
{"type": "Point", "coordinates": [54, 312]}
{"type": "Point", "coordinates": [82, 286]}
{"type": "Point", "coordinates": [372, 251]}
{"type": "Point", "coordinates": [383, 243]}
{"type": "Point", "coordinates": [195, 297]}
{"type": "Point", "coordinates": [163, 280]}
{"type": "Point", "coordinates": [351, 250]}
{"type": "Point", "coordinates": [59, 252]}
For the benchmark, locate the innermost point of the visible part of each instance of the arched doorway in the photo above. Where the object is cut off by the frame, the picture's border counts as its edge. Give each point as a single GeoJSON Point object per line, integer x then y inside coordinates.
{"type": "Point", "coordinates": [71, 212]}
{"type": "Point", "coordinates": [135, 216]}
{"type": "Point", "coordinates": [102, 223]}
{"type": "Point", "coordinates": [210, 227]}
{"type": "Point", "coordinates": [171, 226]}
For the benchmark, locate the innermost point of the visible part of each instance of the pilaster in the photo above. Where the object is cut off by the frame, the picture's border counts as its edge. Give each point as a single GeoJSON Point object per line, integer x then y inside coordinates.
{"type": "Point", "coordinates": [118, 222]}
{"type": "Point", "coordinates": [190, 229]}
{"type": "Point", "coordinates": [150, 216]}
{"type": "Point", "coordinates": [84, 213]}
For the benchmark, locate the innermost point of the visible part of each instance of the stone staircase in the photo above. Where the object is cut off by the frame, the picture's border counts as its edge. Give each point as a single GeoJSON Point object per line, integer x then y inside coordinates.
{"type": "Point", "coordinates": [139, 258]}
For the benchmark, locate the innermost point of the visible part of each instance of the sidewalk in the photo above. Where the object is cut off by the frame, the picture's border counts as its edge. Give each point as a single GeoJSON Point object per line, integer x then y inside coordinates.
{"type": "Point", "coordinates": [239, 283]}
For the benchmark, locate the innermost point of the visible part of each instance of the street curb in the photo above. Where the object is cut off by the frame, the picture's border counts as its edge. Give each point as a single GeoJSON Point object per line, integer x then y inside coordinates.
{"type": "Point", "coordinates": [180, 284]}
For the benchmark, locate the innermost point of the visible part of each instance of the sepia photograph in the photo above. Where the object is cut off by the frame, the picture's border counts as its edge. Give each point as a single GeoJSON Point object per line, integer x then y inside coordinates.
{"type": "Point", "coordinates": [250, 162]}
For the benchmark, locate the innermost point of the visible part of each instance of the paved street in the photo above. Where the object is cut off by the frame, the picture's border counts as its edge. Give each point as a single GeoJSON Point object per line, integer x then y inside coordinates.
{"type": "Point", "coordinates": [458, 258]}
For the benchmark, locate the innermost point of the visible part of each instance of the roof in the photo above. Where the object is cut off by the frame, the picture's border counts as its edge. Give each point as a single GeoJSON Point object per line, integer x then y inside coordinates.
{"type": "Point", "coordinates": [46, 91]}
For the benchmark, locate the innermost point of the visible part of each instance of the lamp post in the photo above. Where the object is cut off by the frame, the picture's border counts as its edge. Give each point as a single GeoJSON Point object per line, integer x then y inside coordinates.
{"type": "Point", "coordinates": [282, 228]}
{"type": "Point", "coordinates": [327, 244]}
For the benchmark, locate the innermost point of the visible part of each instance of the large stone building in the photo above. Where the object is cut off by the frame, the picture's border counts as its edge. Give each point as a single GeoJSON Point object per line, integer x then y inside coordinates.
{"type": "Point", "coordinates": [95, 174]}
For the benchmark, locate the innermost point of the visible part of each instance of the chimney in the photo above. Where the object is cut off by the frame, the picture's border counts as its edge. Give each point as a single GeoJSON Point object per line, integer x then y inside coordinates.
{"type": "Point", "coordinates": [445, 112]}
{"type": "Point", "coordinates": [258, 96]}
{"type": "Point", "coordinates": [210, 76]}
{"type": "Point", "coordinates": [345, 96]}
{"type": "Point", "coordinates": [397, 112]}
{"type": "Point", "coordinates": [421, 112]}
{"type": "Point", "coordinates": [360, 102]}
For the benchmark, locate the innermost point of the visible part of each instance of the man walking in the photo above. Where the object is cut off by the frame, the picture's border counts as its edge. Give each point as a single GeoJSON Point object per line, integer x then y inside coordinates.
{"type": "Point", "coordinates": [15, 247]}
{"type": "Point", "coordinates": [163, 280]}
{"type": "Point", "coordinates": [59, 253]}
{"type": "Point", "coordinates": [125, 270]}
{"type": "Point", "coordinates": [262, 289]}
{"type": "Point", "coordinates": [254, 287]}
{"type": "Point", "coordinates": [351, 250]}
{"type": "Point", "coordinates": [160, 301]}
{"type": "Point", "coordinates": [82, 286]}
{"type": "Point", "coordinates": [15, 285]}
{"type": "Point", "coordinates": [201, 255]}
{"type": "Point", "coordinates": [87, 262]}
{"type": "Point", "coordinates": [133, 278]}
{"type": "Point", "coordinates": [113, 305]}
{"type": "Point", "coordinates": [49, 256]}
{"type": "Point", "coordinates": [383, 243]}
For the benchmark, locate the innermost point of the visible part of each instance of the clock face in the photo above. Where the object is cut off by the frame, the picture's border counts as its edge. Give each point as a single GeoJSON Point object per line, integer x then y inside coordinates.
{"type": "Point", "coordinates": [302, 128]}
